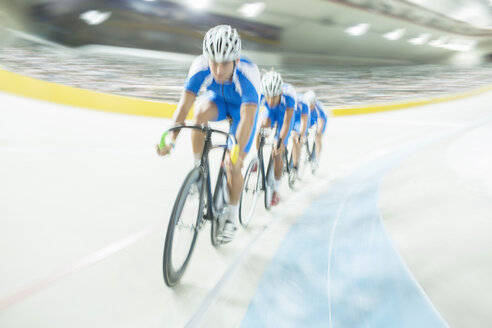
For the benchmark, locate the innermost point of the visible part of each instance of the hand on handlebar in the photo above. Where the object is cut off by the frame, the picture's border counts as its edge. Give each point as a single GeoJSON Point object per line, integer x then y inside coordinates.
{"type": "Point", "coordinates": [166, 145]}
{"type": "Point", "coordinates": [234, 168]}
{"type": "Point", "coordinates": [164, 150]}
{"type": "Point", "coordinates": [278, 149]}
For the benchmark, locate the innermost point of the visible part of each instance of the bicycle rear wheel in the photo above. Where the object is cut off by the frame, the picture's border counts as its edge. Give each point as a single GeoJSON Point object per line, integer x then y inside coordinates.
{"type": "Point", "coordinates": [220, 204]}
{"type": "Point", "coordinates": [269, 182]}
{"type": "Point", "coordinates": [183, 227]}
{"type": "Point", "coordinates": [251, 189]}
{"type": "Point", "coordinates": [292, 172]}
{"type": "Point", "coordinates": [314, 159]}
{"type": "Point", "coordinates": [303, 162]}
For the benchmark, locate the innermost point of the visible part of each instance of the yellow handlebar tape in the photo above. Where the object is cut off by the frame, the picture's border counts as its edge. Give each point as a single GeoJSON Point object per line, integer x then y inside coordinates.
{"type": "Point", "coordinates": [235, 154]}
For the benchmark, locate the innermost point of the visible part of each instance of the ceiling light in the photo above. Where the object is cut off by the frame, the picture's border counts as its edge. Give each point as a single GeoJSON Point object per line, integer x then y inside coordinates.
{"type": "Point", "coordinates": [438, 42]}
{"type": "Point", "coordinates": [421, 39]}
{"type": "Point", "coordinates": [394, 35]}
{"type": "Point", "coordinates": [358, 29]}
{"type": "Point", "coordinates": [198, 4]}
{"type": "Point", "coordinates": [94, 17]}
{"type": "Point", "coordinates": [460, 45]}
{"type": "Point", "coordinates": [252, 9]}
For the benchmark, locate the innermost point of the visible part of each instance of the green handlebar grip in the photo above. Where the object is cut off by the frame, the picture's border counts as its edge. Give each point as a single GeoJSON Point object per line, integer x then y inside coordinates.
{"type": "Point", "coordinates": [162, 144]}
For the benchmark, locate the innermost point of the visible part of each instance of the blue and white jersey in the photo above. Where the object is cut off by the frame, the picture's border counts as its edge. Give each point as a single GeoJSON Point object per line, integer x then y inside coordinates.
{"type": "Point", "coordinates": [287, 100]}
{"type": "Point", "coordinates": [302, 108]}
{"type": "Point", "coordinates": [317, 112]}
{"type": "Point", "coordinates": [244, 88]}
{"type": "Point", "coordinates": [277, 113]}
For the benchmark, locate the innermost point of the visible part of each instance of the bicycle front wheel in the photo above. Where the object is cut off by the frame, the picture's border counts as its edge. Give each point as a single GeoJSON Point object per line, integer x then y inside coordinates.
{"type": "Point", "coordinates": [292, 173]}
{"type": "Point", "coordinates": [314, 159]}
{"type": "Point", "coordinates": [220, 204]}
{"type": "Point", "coordinates": [251, 189]}
{"type": "Point", "coordinates": [183, 227]}
{"type": "Point", "coordinates": [269, 182]}
{"type": "Point", "coordinates": [303, 162]}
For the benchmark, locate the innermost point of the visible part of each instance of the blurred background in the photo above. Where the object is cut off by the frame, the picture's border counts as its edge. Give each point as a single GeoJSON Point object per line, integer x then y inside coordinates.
{"type": "Point", "coordinates": [96, 191]}
{"type": "Point", "coordinates": [350, 51]}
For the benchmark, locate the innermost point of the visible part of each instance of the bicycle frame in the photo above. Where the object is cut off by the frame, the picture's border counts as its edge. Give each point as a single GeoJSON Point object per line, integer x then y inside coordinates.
{"type": "Point", "coordinates": [204, 162]}
{"type": "Point", "coordinates": [261, 164]}
{"type": "Point", "coordinates": [312, 132]}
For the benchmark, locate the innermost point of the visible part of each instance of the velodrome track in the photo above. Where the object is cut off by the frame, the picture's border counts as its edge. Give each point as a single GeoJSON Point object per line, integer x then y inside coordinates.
{"type": "Point", "coordinates": [391, 232]}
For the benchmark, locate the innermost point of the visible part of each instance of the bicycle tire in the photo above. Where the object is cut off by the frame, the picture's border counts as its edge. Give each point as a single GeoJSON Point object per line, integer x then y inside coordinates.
{"type": "Point", "coordinates": [314, 159]}
{"type": "Point", "coordinates": [171, 274]}
{"type": "Point", "coordinates": [303, 161]}
{"type": "Point", "coordinates": [245, 214]}
{"type": "Point", "coordinates": [220, 202]}
{"type": "Point", "coordinates": [269, 181]}
{"type": "Point", "coordinates": [292, 176]}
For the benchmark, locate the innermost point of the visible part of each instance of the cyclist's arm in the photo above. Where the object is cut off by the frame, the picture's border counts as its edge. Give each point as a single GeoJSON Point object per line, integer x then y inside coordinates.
{"type": "Point", "coordinates": [286, 125]}
{"type": "Point", "coordinates": [304, 121]}
{"type": "Point", "coordinates": [289, 94]}
{"type": "Point", "coordinates": [250, 85]}
{"type": "Point", "coordinates": [245, 126]}
{"type": "Point", "coordinates": [321, 125]}
{"type": "Point", "coordinates": [196, 75]}
{"type": "Point", "coordinates": [185, 102]}
{"type": "Point", "coordinates": [321, 117]}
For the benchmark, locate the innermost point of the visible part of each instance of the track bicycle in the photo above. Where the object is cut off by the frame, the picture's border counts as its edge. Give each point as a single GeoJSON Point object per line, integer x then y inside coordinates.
{"type": "Point", "coordinates": [195, 205]}
{"type": "Point", "coordinates": [257, 179]}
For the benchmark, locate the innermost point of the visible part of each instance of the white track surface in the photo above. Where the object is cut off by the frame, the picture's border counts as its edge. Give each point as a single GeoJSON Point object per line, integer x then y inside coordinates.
{"type": "Point", "coordinates": [85, 201]}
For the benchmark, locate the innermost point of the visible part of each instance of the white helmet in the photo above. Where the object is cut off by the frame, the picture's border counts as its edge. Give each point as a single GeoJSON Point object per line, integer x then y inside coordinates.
{"type": "Point", "coordinates": [310, 97]}
{"type": "Point", "coordinates": [222, 44]}
{"type": "Point", "coordinates": [272, 84]}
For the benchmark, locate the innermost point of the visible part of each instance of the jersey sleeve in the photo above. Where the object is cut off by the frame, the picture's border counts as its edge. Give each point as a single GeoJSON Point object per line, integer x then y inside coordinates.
{"type": "Point", "coordinates": [196, 75]}
{"type": "Point", "coordinates": [290, 96]}
{"type": "Point", "coordinates": [250, 84]}
{"type": "Point", "coordinates": [321, 110]}
{"type": "Point", "coordinates": [304, 108]}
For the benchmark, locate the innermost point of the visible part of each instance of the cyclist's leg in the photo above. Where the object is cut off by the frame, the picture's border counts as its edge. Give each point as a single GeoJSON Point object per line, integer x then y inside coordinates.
{"type": "Point", "coordinates": [295, 148]}
{"type": "Point", "coordinates": [285, 155]}
{"type": "Point", "coordinates": [319, 135]}
{"type": "Point", "coordinates": [236, 178]}
{"type": "Point", "coordinates": [206, 110]}
{"type": "Point", "coordinates": [296, 145]}
{"type": "Point", "coordinates": [266, 121]}
{"type": "Point", "coordinates": [279, 159]}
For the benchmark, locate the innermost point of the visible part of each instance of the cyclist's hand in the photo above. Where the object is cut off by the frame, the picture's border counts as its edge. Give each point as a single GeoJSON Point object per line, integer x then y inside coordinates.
{"type": "Point", "coordinates": [278, 151]}
{"type": "Point", "coordinates": [164, 151]}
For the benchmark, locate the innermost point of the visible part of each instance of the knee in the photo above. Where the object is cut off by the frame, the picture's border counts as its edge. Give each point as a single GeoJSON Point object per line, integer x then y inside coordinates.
{"type": "Point", "coordinates": [200, 117]}
{"type": "Point", "coordinates": [203, 112]}
{"type": "Point", "coordinates": [295, 138]}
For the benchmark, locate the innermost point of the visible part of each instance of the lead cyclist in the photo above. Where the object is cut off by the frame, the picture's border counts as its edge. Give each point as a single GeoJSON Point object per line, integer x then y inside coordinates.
{"type": "Point", "coordinates": [232, 85]}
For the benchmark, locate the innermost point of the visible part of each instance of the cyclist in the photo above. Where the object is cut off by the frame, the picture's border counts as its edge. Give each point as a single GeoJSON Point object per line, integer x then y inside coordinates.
{"type": "Point", "coordinates": [317, 115]}
{"type": "Point", "coordinates": [233, 91]}
{"type": "Point", "coordinates": [299, 129]}
{"type": "Point", "coordinates": [279, 99]}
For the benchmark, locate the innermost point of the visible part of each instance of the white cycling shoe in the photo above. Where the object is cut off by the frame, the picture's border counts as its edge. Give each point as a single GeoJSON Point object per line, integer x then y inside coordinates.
{"type": "Point", "coordinates": [227, 233]}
